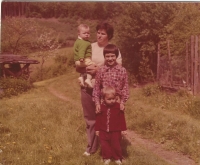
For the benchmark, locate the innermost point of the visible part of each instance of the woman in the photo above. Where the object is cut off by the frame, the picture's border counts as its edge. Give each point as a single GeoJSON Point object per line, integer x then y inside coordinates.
{"type": "Point", "coordinates": [104, 35]}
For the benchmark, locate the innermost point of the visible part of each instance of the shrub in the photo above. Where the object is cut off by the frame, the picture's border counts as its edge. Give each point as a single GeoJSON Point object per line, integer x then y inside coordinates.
{"type": "Point", "coordinates": [194, 108]}
{"type": "Point", "coordinates": [12, 87]}
{"type": "Point", "coordinates": [182, 93]}
{"type": "Point", "coordinates": [150, 90]}
{"type": "Point", "coordinates": [62, 59]}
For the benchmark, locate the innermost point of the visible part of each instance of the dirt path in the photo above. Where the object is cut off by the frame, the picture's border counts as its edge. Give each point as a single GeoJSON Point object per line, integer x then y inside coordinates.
{"type": "Point", "coordinates": [172, 157]}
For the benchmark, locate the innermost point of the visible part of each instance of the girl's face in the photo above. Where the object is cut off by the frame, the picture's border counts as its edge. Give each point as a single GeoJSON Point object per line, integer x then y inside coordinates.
{"type": "Point", "coordinates": [109, 99]}
{"type": "Point", "coordinates": [110, 59]}
{"type": "Point", "coordinates": [102, 37]}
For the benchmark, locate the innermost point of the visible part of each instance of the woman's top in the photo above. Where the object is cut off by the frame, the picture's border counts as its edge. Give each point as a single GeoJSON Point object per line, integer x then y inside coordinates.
{"type": "Point", "coordinates": [97, 55]}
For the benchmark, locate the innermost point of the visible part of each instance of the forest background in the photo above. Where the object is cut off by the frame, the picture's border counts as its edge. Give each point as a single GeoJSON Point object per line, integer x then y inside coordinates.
{"type": "Point", "coordinates": [139, 28]}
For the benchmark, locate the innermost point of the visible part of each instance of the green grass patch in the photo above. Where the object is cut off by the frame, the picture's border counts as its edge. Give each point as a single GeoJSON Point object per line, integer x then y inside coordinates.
{"type": "Point", "coordinates": [169, 119]}
{"type": "Point", "coordinates": [39, 128]}
{"type": "Point", "coordinates": [13, 86]}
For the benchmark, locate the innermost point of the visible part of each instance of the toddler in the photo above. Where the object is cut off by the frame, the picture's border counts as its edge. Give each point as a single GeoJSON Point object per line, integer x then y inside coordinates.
{"type": "Point", "coordinates": [110, 123]}
{"type": "Point", "coordinates": [82, 53]}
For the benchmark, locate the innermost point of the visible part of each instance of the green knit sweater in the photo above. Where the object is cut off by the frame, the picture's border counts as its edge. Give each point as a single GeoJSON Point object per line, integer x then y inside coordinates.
{"type": "Point", "coordinates": [82, 49]}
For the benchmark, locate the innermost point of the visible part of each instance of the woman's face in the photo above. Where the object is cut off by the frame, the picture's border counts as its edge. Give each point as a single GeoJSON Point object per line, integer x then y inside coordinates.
{"type": "Point", "coordinates": [102, 37]}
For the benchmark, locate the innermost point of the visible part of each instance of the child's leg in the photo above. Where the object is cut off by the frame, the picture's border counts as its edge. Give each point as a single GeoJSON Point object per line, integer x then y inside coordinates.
{"type": "Point", "coordinates": [81, 79]}
{"type": "Point", "coordinates": [116, 145]}
{"type": "Point", "coordinates": [104, 138]}
{"type": "Point", "coordinates": [88, 81]}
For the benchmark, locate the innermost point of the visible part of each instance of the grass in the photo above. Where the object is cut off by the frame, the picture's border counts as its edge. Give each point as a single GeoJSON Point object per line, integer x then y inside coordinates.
{"type": "Point", "coordinates": [167, 119]}
{"type": "Point", "coordinates": [39, 128]}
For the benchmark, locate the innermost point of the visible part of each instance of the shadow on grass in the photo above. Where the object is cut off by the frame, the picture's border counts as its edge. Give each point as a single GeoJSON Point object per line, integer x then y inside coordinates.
{"type": "Point", "coordinates": [125, 143]}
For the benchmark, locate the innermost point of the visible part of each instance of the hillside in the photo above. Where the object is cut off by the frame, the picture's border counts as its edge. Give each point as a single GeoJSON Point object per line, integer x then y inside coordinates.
{"type": "Point", "coordinates": [45, 125]}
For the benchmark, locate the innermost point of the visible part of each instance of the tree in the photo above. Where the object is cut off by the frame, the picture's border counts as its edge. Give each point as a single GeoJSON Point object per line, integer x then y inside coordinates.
{"type": "Point", "coordinates": [15, 33]}
{"type": "Point", "coordinates": [139, 30]}
{"type": "Point", "coordinates": [47, 45]}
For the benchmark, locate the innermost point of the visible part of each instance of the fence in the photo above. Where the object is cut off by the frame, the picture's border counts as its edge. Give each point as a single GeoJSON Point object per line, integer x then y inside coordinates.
{"type": "Point", "coordinates": [176, 72]}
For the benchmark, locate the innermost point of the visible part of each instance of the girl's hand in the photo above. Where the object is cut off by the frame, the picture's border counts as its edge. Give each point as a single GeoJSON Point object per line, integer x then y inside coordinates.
{"type": "Point", "coordinates": [98, 108]}
{"type": "Point", "coordinates": [122, 107]}
{"type": "Point", "coordinates": [97, 133]}
{"type": "Point", "coordinates": [123, 132]}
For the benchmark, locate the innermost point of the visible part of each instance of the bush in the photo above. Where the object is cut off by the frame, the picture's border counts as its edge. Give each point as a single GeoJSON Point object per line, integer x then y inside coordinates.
{"type": "Point", "coordinates": [55, 70]}
{"type": "Point", "coordinates": [35, 15]}
{"type": "Point", "coordinates": [49, 72]}
{"type": "Point", "coordinates": [12, 87]}
{"type": "Point", "coordinates": [150, 90]}
{"type": "Point", "coordinates": [62, 59]}
{"type": "Point", "coordinates": [194, 108]}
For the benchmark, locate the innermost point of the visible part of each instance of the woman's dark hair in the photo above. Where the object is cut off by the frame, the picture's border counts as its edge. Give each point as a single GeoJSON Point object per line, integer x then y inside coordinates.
{"type": "Point", "coordinates": [111, 48]}
{"type": "Point", "coordinates": [107, 27]}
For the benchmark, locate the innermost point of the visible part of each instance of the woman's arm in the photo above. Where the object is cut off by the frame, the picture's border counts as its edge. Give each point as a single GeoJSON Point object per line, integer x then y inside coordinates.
{"type": "Point", "coordinates": [81, 69]}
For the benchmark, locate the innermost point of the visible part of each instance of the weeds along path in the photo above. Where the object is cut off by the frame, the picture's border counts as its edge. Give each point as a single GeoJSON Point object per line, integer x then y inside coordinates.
{"type": "Point", "coordinates": [172, 157]}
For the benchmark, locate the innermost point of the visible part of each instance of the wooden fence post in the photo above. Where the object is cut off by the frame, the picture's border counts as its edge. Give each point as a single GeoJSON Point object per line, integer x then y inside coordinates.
{"type": "Point", "coordinates": [198, 86]}
{"type": "Point", "coordinates": [192, 64]}
{"type": "Point", "coordinates": [158, 63]}
{"type": "Point", "coordinates": [196, 66]}
{"type": "Point", "coordinates": [170, 64]}
{"type": "Point", "coordinates": [187, 65]}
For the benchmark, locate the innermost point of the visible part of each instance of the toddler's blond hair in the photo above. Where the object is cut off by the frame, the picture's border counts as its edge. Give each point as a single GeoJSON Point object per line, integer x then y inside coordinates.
{"type": "Point", "coordinates": [82, 26]}
{"type": "Point", "coordinates": [108, 90]}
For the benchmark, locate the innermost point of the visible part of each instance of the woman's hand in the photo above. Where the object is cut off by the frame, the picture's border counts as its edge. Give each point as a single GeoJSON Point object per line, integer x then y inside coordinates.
{"type": "Point", "coordinates": [80, 69]}
{"type": "Point", "coordinates": [97, 133]}
{"type": "Point", "coordinates": [81, 59]}
{"type": "Point", "coordinates": [122, 107]}
{"type": "Point", "coordinates": [92, 69]}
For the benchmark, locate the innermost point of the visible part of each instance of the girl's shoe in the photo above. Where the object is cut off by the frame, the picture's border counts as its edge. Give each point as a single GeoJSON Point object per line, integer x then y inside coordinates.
{"type": "Point", "coordinates": [118, 162]}
{"type": "Point", "coordinates": [86, 153]}
{"type": "Point", "coordinates": [106, 161]}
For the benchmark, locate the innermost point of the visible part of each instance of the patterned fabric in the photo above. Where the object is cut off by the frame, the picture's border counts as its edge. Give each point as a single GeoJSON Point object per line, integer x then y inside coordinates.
{"type": "Point", "coordinates": [108, 119]}
{"type": "Point", "coordinates": [115, 76]}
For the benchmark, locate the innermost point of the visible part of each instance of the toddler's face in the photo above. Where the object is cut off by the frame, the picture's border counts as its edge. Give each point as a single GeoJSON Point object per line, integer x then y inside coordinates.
{"type": "Point", "coordinates": [110, 99]}
{"type": "Point", "coordinates": [84, 33]}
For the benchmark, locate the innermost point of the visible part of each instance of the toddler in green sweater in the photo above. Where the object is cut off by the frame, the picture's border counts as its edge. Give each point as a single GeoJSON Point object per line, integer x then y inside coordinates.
{"type": "Point", "coordinates": [82, 53]}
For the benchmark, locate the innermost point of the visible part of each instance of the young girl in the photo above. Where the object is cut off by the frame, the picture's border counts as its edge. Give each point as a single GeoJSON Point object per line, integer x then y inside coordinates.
{"type": "Point", "coordinates": [111, 74]}
{"type": "Point", "coordinates": [110, 123]}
